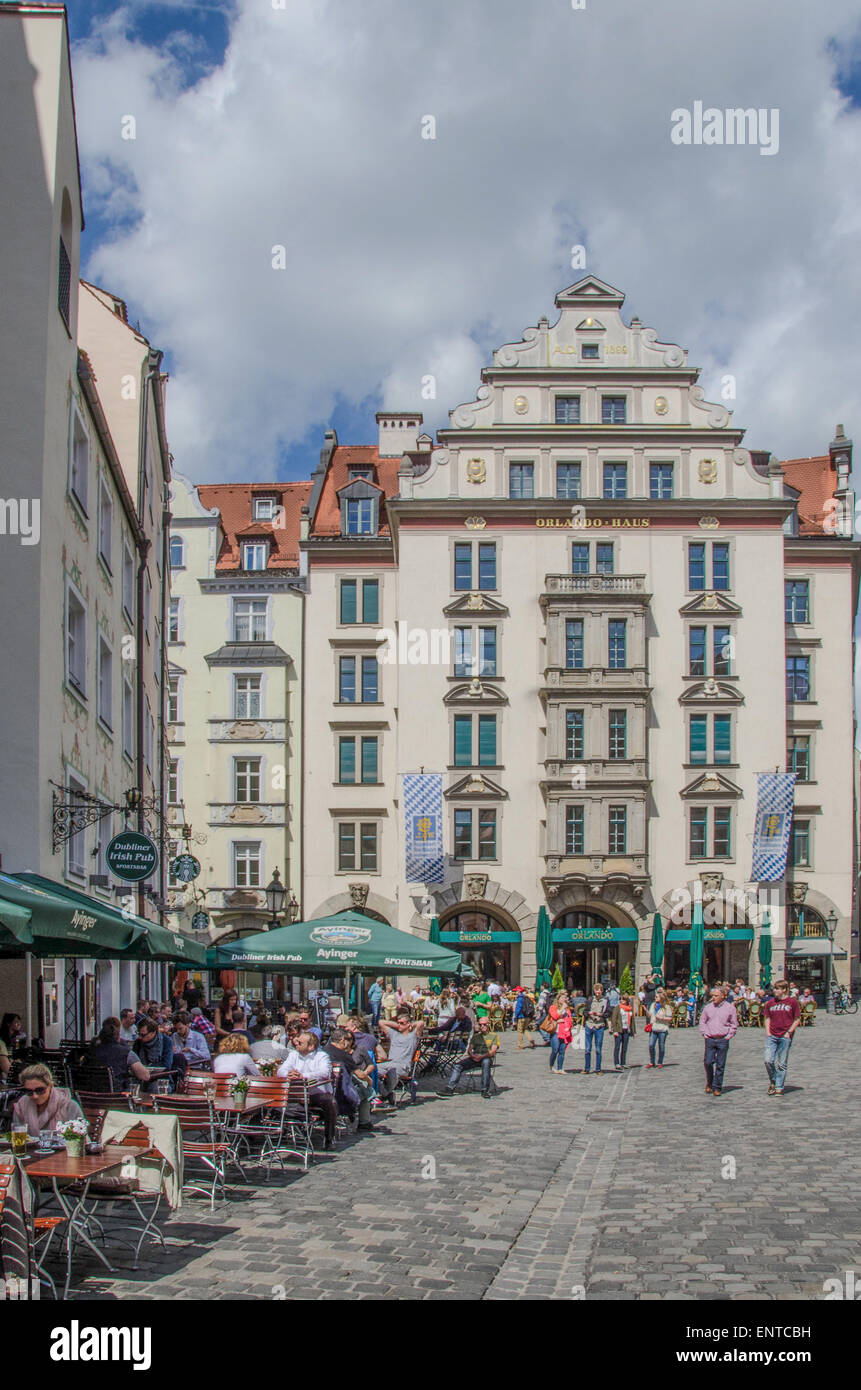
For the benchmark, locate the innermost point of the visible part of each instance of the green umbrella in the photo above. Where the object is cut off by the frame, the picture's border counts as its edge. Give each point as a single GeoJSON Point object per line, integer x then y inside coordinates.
{"type": "Point", "coordinates": [697, 948]}
{"type": "Point", "coordinates": [331, 945]}
{"type": "Point", "coordinates": [543, 948]}
{"type": "Point", "coordinates": [656, 956]}
{"type": "Point", "coordinates": [765, 952]}
{"type": "Point", "coordinates": [433, 937]}
{"type": "Point", "coordinates": [46, 919]}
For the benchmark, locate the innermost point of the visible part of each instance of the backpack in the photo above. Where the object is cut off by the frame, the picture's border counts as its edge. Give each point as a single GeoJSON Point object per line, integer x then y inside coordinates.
{"type": "Point", "coordinates": [527, 1008]}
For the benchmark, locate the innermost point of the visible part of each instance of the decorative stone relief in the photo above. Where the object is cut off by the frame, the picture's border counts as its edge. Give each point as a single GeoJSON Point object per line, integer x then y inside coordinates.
{"type": "Point", "coordinates": [359, 895]}
{"type": "Point", "coordinates": [475, 885]}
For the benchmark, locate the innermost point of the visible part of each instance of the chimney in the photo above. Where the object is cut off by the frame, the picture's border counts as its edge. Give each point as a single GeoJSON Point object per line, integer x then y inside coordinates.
{"type": "Point", "coordinates": [424, 443]}
{"type": "Point", "coordinates": [398, 432]}
{"type": "Point", "coordinates": [840, 450]}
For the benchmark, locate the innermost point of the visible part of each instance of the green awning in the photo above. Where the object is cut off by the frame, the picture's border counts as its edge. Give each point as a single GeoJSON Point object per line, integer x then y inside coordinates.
{"type": "Point", "coordinates": [469, 938]}
{"type": "Point", "coordinates": [329, 945]}
{"type": "Point", "coordinates": [593, 936]}
{"type": "Point", "coordinates": [713, 934]}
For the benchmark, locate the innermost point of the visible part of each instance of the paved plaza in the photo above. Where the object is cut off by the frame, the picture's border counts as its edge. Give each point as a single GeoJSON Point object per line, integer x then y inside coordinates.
{"type": "Point", "coordinates": [610, 1187]}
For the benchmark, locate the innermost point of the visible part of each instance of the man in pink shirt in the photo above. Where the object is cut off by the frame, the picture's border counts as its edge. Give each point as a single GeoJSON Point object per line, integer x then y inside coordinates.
{"type": "Point", "coordinates": [718, 1023]}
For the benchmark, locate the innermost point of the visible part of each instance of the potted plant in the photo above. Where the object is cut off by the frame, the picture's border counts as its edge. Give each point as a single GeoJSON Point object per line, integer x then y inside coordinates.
{"type": "Point", "coordinates": [267, 1067]}
{"type": "Point", "coordinates": [239, 1090]}
{"type": "Point", "coordinates": [74, 1135]}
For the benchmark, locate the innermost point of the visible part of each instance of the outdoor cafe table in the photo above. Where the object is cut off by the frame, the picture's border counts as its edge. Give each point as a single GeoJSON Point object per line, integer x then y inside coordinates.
{"type": "Point", "coordinates": [59, 1168]}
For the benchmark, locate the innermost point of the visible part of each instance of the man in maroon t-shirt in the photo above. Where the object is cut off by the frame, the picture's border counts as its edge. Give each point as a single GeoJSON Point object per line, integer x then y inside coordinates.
{"type": "Point", "coordinates": [782, 1017]}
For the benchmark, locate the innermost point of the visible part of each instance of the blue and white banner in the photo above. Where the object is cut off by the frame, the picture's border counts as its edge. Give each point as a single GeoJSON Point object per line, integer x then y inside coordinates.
{"type": "Point", "coordinates": [423, 837]}
{"type": "Point", "coordinates": [775, 791]}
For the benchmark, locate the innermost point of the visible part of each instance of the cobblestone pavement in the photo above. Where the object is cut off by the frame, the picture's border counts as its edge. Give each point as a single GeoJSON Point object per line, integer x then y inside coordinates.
{"type": "Point", "coordinates": [605, 1187]}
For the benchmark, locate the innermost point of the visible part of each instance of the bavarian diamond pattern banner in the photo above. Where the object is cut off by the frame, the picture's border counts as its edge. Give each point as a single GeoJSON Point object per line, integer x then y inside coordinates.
{"type": "Point", "coordinates": [423, 813]}
{"type": "Point", "coordinates": [775, 791]}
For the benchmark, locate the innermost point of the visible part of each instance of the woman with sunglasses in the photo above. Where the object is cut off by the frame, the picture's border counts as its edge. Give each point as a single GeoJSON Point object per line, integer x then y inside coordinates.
{"type": "Point", "coordinates": [43, 1105]}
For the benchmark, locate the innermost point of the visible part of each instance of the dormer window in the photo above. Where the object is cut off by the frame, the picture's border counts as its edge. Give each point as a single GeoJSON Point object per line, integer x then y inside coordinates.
{"type": "Point", "coordinates": [360, 471]}
{"type": "Point", "coordinates": [255, 555]}
{"type": "Point", "coordinates": [360, 508]}
{"type": "Point", "coordinates": [264, 508]}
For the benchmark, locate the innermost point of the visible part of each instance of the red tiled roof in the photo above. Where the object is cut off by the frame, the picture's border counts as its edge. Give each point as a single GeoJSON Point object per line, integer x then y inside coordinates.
{"type": "Point", "coordinates": [815, 480]}
{"type": "Point", "coordinates": [385, 476]}
{"type": "Point", "coordinates": [234, 502]}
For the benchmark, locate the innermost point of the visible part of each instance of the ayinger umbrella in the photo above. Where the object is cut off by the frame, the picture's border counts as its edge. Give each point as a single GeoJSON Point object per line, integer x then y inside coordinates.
{"type": "Point", "coordinates": [334, 945]}
{"type": "Point", "coordinates": [656, 956]}
{"type": "Point", "coordinates": [765, 946]}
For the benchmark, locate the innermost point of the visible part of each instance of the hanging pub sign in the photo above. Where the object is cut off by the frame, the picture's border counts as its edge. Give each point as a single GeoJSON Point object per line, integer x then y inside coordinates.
{"type": "Point", "coordinates": [131, 856]}
{"type": "Point", "coordinates": [185, 867]}
{"type": "Point", "coordinates": [200, 921]}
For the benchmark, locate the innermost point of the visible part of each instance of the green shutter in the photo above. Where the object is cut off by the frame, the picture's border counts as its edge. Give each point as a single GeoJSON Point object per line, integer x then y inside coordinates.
{"type": "Point", "coordinates": [487, 740]}
{"type": "Point", "coordinates": [370, 600]}
{"type": "Point", "coordinates": [463, 740]}
{"type": "Point", "coordinates": [699, 738]}
{"type": "Point", "coordinates": [369, 760]}
{"type": "Point", "coordinates": [348, 601]}
{"type": "Point", "coordinates": [347, 760]}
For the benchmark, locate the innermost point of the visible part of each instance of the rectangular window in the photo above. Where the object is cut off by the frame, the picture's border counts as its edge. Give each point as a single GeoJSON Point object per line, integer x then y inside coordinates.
{"type": "Point", "coordinates": [129, 583]}
{"type": "Point", "coordinates": [618, 730]}
{"type": "Point", "coordinates": [698, 832]}
{"type": "Point", "coordinates": [618, 829]}
{"type": "Point", "coordinates": [568, 480]}
{"type": "Point", "coordinates": [613, 410]}
{"type": "Point", "coordinates": [487, 565]}
{"type": "Point", "coordinates": [799, 844]}
{"type": "Point", "coordinates": [346, 845]}
{"type": "Point", "coordinates": [370, 680]}
{"type": "Point", "coordinates": [720, 565]}
{"type": "Point", "coordinates": [370, 760]}
{"type": "Point", "coordinates": [462, 833]}
{"type": "Point", "coordinates": [368, 847]}
{"type": "Point", "coordinates": [173, 621]}
{"type": "Point", "coordinates": [79, 466]}
{"type": "Point", "coordinates": [264, 508]}
{"type": "Point", "coordinates": [462, 566]}
{"type": "Point", "coordinates": [487, 651]}
{"type": "Point", "coordinates": [521, 480]}
{"type": "Point", "coordinates": [173, 782]}
{"type": "Point", "coordinates": [579, 558]}
{"type": "Point", "coordinates": [698, 750]}
{"type": "Point", "coordinates": [604, 557]}
{"type": "Point", "coordinates": [246, 697]}
{"type": "Point", "coordinates": [76, 845]}
{"type": "Point", "coordinates": [615, 480]}
{"type": "Point", "coordinates": [696, 565]}
{"type": "Point", "coordinates": [359, 516]}
{"type": "Point", "coordinates": [255, 555]}
{"type": "Point", "coordinates": [589, 352]}
{"type": "Point", "coordinates": [574, 644]}
{"type": "Point", "coordinates": [347, 680]}
{"type": "Point", "coordinates": [249, 620]}
{"type": "Point", "coordinates": [246, 865]}
{"type": "Point", "coordinates": [486, 833]}
{"type": "Point", "coordinates": [346, 760]}
{"type": "Point", "coordinates": [463, 740]}
{"type": "Point", "coordinates": [721, 651]}
{"type": "Point", "coordinates": [106, 683]}
{"type": "Point", "coordinates": [149, 735]}
{"type": "Point", "coordinates": [106, 523]}
{"type": "Point", "coordinates": [574, 735]}
{"type": "Point", "coordinates": [349, 601]}
{"type": "Point", "coordinates": [128, 719]}
{"type": "Point", "coordinates": [64, 284]}
{"type": "Point", "coordinates": [76, 642]}
{"type": "Point", "coordinates": [463, 659]}
{"type": "Point", "coordinates": [797, 600]}
{"type": "Point", "coordinates": [575, 833]}
{"type": "Point", "coordinates": [722, 729]}
{"type": "Point", "coordinates": [797, 679]}
{"type": "Point", "coordinates": [617, 656]}
{"type": "Point", "coordinates": [173, 700]}
{"type": "Point", "coordinates": [660, 481]}
{"type": "Point", "coordinates": [697, 651]}
{"type": "Point", "coordinates": [798, 757]}
{"type": "Point", "coordinates": [246, 777]}
{"type": "Point", "coordinates": [487, 740]}
{"type": "Point", "coordinates": [567, 410]}
{"type": "Point", "coordinates": [722, 847]}
{"type": "Point", "coordinates": [370, 601]}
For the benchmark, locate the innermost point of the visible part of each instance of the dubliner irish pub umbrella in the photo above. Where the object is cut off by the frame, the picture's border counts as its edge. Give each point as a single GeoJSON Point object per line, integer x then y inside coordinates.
{"type": "Point", "coordinates": [433, 937]}
{"type": "Point", "coordinates": [332, 945]}
{"type": "Point", "coordinates": [543, 949]}
{"type": "Point", "coordinates": [656, 956]}
{"type": "Point", "coordinates": [36, 916]}
{"type": "Point", "coordinates": [765, 952]}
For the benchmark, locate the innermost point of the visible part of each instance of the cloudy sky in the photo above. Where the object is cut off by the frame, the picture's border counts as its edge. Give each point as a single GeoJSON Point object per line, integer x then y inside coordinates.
{"type": "Point", "coordinates": [301, 127]}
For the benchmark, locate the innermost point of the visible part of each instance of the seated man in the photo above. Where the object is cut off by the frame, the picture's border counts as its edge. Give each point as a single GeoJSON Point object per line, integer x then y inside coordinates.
{"type": "Point", "coordinates": [481, 1050]}
{"type": "Point", "coordinates": [189, 1041]}
{"type": "Point", "coordinates": [203, 1025]}
{"type": "Point", "coordinates": [357, 1066]}
{"type": "Point", "coordinates": [458, 1023]}
{"type": "Point", "coordinates": [307, 1062]}
{"type": "Point", "coordinates": [403, 1038]}
{"type": "Point", "coordinates": [154, 1050]}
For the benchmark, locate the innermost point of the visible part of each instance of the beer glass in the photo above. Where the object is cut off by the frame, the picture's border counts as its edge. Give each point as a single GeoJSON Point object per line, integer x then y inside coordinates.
{"type": "Point", "coordinates": [19, 1139]}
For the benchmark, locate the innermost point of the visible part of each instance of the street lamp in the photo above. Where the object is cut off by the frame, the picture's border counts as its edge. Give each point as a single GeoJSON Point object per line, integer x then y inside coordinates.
{"type": "Point", "coordinates": [275, 895]}
{"type": "Point", "coordinates": [831, 924]}
{"type": "Point", "coordinates": [293, 909]}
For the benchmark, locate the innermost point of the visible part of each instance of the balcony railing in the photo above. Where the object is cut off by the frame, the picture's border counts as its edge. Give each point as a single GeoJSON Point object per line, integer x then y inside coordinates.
{"type": "Point", "coordinates": [595, 584]}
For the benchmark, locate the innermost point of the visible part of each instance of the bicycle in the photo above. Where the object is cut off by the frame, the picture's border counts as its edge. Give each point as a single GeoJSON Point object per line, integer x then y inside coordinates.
{"type": "Point", "coordinates": [843, 1001]}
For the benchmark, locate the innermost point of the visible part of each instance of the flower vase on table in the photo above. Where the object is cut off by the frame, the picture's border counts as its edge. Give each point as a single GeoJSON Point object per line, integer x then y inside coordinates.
{"type": "Point", "coordinates": [74, 1135]}
{"type": "Point", "coordinates": [239, 1091]}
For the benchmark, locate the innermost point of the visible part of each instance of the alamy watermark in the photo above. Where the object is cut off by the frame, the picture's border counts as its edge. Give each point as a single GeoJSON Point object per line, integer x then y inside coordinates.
{"type": "Point", "coordinates": [735, 125]}
{"type": "Point", "coordinates": [21, 517]}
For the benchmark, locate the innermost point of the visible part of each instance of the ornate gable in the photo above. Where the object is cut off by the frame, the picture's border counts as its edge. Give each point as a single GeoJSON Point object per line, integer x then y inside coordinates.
{"type": "Point", "coordinates": [467, 604]}
{"type": "Point", "coordinates": [711, 784]}
{"type": "Point", "coordinates": [475, 692]}
{"type": "Point", "coordinates": [713, 691]}
{"type": "Point", "coordinates": [711, 603]}
{"type": "Point", "coordinates": [476, 787]}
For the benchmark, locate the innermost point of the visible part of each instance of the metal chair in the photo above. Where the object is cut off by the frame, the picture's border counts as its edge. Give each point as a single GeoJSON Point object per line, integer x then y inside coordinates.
{"type": "Point", "coordinates": [93, 1079]}
{"type": "Point", "coordinates": [202, 1141]}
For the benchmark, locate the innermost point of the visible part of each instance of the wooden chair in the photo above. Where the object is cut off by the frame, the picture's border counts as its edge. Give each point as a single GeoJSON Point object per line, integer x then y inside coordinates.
{"type": "Point", "coordinates": [96, 1104]}
{"type": "Point", "coordinates": [680, 1016]}
{"type": "Point", "coordinates": [117, 1193]}
{"type": "Point", "coordinates": [407, 1086]}
{"type": "Point", "coordinates": [202, 1141]}
{"type": "Point", "coordinates": [93, 1079]}
{"type": "Point", "coordinates": [808, 1014]}
{"type": "Point", "coordinates": [754, 1014]}
{"type": "Point", "coordinates": [40, 1230]}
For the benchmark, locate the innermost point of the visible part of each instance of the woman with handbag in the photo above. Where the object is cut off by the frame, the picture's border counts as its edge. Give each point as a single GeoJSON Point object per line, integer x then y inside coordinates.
{"type": "Point", "coordinates": [558, 1024]}
{"type": "Point", "coordinates": [660, 1018]}
{"type": "Point", "coordinates": [623, 1028]}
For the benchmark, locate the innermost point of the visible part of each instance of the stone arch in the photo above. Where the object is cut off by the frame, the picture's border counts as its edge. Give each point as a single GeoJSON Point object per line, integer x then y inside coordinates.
{"type": "Point", "coordinates": [495, 898]}
{"type": "Point", "coordinates": [342, 902]}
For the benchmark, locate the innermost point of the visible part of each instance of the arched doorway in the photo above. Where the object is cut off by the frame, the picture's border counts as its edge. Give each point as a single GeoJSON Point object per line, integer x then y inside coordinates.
{"type": "Point", "coordinates": [589, 947]}
{"type": "Point", "coordinates": [486, 940]}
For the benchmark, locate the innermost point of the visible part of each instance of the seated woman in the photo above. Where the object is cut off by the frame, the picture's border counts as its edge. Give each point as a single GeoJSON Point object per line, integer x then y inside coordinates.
{"type": "Point", "coordinates": [43, 1105]}
{"type": "Point", "coordinates": [233, 1057]}
{"type": "Point", "coordinates": [109, 1051]}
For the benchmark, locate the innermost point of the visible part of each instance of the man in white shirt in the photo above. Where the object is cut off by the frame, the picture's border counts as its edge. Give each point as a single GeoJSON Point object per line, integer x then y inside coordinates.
{"type": "Point", "coordinates": [189, 1041]}
{"type": "Point", "coordinates": [306, 1061]}
{"type": "Point", "coordinates": [128, 1031]}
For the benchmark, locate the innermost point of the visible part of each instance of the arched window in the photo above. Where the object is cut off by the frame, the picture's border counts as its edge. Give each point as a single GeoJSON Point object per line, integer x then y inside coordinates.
{"type": "Point", "coordinates": [804, 921]}
{"type": "Point", "coordinates": [177, 552]}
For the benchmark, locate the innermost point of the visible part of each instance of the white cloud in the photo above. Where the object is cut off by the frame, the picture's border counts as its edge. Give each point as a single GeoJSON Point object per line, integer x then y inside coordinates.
{"type": "Point", "coordinates": [408, 256]}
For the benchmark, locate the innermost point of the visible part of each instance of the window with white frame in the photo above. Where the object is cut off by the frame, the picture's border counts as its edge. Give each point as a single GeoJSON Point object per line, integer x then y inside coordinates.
{"type": "Point", "coordinates": [128, 718]}
{"type": "Point", "coordinates": [177, 553]}
{"type": "Point", "coordinates": [128, 582]}
{"type": "Point", "coordinates": [173, 620]}
{"type": "Point", "coordinates": [249, 620]}
{"type": "Point", "coordinates": [173, 699]}
{"type": "Point", "coordinates": [173, 796]}
{"type": "Point", "coordinates": [358, 847]}
{"type": "Point", "coordinates": [246, 864]}
{"type": "Point", "coordinates": [255, 555]}
{"type": "Point", "coordinates": [106, 522]}
{"type": "Point", "coordinates": [147, 603]}
{"type": "Point", "coordinates": [246, 779]}
{"type": "Point", "coordinates": [246, 697]}
{"type": "Point", "coordinates": [149, 735]}
{"type": "Point", "coordinates": [76, 845]}
{"type": "Point", "coordinates": [264, 508]}
{"type": "Point", "coordinates": [99, 860]}
{"type": "Point", "coordinates": [79, 462]}
{"type": "Point", "coordinates": [76, 640]}
{"type": "Point", "coordinates": [106, 682]}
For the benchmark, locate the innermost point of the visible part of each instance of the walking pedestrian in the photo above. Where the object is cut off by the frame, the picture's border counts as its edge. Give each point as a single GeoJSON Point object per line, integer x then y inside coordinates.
{"type": "Point", "coordinates": [782, 1017]}
{"type": "Point", "coordinates": [718, 1024]}
{"type": "Point", "coordinates": [595, 1021]}
{"type": "Point", "coordinates": [623, 1028]}
{"type": "Point", "coordinates": [375, 999]}
{"type": "Point", "coordinates": [524, 1016]}
{"type": "Point", "coordinates": [660, 1018]}
{"type": "Point", "coordinates": [558, 1025]}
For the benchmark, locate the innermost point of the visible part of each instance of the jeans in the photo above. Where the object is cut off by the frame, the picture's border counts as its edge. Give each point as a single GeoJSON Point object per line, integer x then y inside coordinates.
{"type": "Point", "coordinates": [595, 1035]}
{"type": "Point", "coordinates": [557, 1052]}
{"type": "Point", "coordinates": [376, 1005]}
{"type": "Point", "coordinates": [468, 1064]}
{"type": "Point", "coordinates": [657, 1043]}
{"type": "Point", "coordinates": [714, 1061]}
{"type": "Point", "coordinates": [777, 1060]}
{"type": "Point", "coordinates": [620, 1047]}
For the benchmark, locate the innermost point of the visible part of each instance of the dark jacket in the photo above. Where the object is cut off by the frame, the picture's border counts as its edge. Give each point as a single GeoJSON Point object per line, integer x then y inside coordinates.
{"type": "Point", "coordinates": [616, 1021]}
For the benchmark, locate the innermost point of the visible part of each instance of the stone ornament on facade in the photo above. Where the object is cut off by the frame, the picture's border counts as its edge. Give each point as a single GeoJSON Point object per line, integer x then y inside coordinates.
{"type": "Point", "coordinates": [476, 471]}
{"type": "Point", "coordinates": [707, 471]}
{"type": "Point", "coordinates": [245, 729]}
{"type": "Point", "coordinates": [476, 603]}
{"type": "Point", "coordinates": [359, 895]}
{"type": "Point", "coordinates": [710, 784]}
{"type": "Point", "coordinates": [521, 405]}
{"type": "Point", "coordinates": [709, 523]}
{"type": "Point", "coordinates": [797, 892]}
{"type": "Point", "coordinates": [710, 601]}
{"type": "Point", "coordinates": [475, 523]}
{"type": "Point", "coordinates": [475, 886]}
{"type": "Point", "coordinates": [711, 884]}
{"type": "Point", "coordinates": [661, 405]}
{"type": "Point", "coordinates": [246, 815]}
